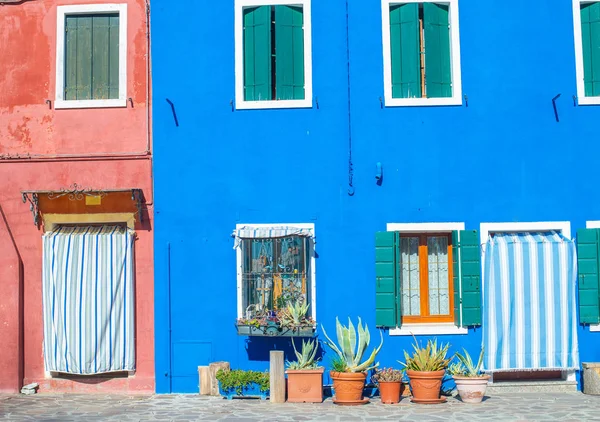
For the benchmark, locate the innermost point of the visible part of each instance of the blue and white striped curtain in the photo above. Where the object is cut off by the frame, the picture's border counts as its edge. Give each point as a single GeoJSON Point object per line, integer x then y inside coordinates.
{"type": "Point", "coordinates": [529, 313]}
{"type": "Point", "coordinates": [88, 300]}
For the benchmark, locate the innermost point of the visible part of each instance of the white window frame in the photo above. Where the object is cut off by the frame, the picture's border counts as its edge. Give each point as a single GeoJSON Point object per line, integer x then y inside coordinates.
{"type": "Point", "coordinates": [436, 328]}
{"type": "Point", "coordinates": [456, 98]}
{"type": "Point", "coordinates": [593, 225]}
{"type": "Point", "coordinates": [62, 12]}
{"type": "Point", "coordinates": [313, 271]}
{"type": "Point", "coordinates": [242, 104]}
{"type": "Point", "coordinates": [582, 99]}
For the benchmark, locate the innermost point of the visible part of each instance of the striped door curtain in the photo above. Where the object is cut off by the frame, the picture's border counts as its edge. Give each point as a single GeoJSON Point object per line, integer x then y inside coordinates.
{"type": "Point", "coordinates": [529, 314]}
{"type": "Point", "coordinates": [88, 300]}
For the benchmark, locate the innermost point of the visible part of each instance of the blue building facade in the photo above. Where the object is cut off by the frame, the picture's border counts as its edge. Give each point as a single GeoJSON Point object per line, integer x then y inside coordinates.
{"type": "Point", "coordinates": [354, 152]}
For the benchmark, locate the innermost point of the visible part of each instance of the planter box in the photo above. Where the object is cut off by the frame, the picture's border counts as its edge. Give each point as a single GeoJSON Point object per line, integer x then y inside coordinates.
{"type": "Point", "coordinates": [305, 386]}
{"type": "Point", "coordinates": [591, 378]}
{"type": "Point", "coordinates": [275, 331]}
{"type": "Point", "coordinates": [252, 390]}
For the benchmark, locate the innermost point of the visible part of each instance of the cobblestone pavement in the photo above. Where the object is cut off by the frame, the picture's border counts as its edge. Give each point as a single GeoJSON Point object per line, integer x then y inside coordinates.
{"type": "Point", "coordinates": [514, 407]}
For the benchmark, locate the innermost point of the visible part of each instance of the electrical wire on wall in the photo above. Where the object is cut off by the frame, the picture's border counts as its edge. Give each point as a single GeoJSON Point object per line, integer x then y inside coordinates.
{"type": "Point", "coordinates": [350, 165]}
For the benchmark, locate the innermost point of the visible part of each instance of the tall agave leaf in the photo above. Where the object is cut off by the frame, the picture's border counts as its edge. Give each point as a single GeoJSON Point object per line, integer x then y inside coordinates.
{"type": "Point", "coordinates": [332, 344]}
{"type": "Point", "coordinates": [352, 337]}
{"type": "Point", "coordinates": [363, 342]}
{"type": "Point", "coordinates": [346, 347]}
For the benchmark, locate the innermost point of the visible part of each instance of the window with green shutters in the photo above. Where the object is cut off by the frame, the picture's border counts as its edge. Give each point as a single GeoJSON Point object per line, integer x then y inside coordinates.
{"type": "Point", "coordinates": [587, 21]}
{"type": "Point", "coordinates": [91, 56]}
{"type": "Point", "coordinates": [272, 64]}
{"type": "Point", "coordinates": [588, 265]}
{"type": "Point", "coordinates": [421, 53]}
{"type": "Point", "coordinates": [427, 278]}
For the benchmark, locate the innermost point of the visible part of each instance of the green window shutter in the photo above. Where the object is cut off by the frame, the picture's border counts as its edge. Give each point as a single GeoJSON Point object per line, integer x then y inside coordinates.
{"type": "Point", "coordinates": [289, 53]}
{"type": "Point", "coordinates": [588, 254]}
{"type": "Point", "coordinates": [91, 57]}
{"type": "Point", "coordinates": [257, 54]}
{"type": "Point", "coordinates": [387, 308]}
{"type": "Point", "coordinates": [405, 54]}
{"type": "Point", "coordinates": [466, 259]}
{"type": "Point", "coordinates": [438, 71]}
{"type": "Point", "coordinates": [590, 34]}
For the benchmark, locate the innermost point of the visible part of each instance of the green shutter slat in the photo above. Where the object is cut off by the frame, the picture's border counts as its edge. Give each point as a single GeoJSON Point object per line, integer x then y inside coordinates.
{"type": "Point", "coordinates": [70, 60]}
{"type": "Point", "coordinates": [405, 54]}
{"type": "Point", "coordinates": [113, 57]}
{"type": "Point", "coordinates": [590, 33]}
{"type": "Point", "coordinates": [84, 58]}
{"type": "Point", "coordinates": [100, 54]}
{"type": "Point", "coordinates": [588, 257]}
{"type": "Point", "coordinates": [386, 282]}
{"type": "Point", "coordinates": [466, 256]}
{"type": "Point", "coordinates": [289, 53]}
{"type": "Point", "coordinates": [438, 72]}
{"type": "Point", "coordinates": [257, 54]}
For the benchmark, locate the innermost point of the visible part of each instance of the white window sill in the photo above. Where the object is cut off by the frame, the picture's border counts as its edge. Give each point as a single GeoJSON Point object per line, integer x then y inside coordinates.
{"type": "Point", "coordinates": [66, 104]}
{"type": "Point", "coordinates": [258, 105]}
{"type": "Point", "coordinates": [428, 329]}
{"type": "Point", "coordinates": [588, 100]}
{"type": "Point", "coordinates": [419, 102]}
{"type": "Point", "coordinates": [595, 328]}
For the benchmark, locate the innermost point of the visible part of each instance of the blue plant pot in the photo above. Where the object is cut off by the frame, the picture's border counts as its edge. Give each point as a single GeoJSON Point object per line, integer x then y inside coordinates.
{"type": "Point", "coordinates": [251, 390]}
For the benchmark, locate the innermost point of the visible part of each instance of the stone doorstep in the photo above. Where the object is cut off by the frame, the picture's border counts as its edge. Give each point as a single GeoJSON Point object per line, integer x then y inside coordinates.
{"type": "Point", "coordinates": [532, 387]}
{"type": "Point", "coordinates": [589, 365]}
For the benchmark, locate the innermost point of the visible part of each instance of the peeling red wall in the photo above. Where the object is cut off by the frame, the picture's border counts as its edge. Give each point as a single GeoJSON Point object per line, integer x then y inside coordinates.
{"type": "Point", "coordinates": [43, 149]}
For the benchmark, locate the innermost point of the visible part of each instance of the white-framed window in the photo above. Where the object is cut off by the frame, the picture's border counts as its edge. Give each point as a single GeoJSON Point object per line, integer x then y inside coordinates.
{"type": "Point", "coordinates": [273, 60]}
{"type": "Point", "coordinates": [91, 56]}
{"type": "Point", "coordinates": [427, 282]}
{"type": "Point", "coordinates": [274, 271]}
{"type": "Point", "coordinates": [593, 225]}
{"type": "Point", "coordinates": [586, 23]}
{"type": "Point", "coordinates": [421, 53]}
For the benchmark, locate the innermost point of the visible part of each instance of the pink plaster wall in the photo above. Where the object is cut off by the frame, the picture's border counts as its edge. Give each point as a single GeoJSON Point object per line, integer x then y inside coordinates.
{"type": "Point", "coordinates": [44, 149]}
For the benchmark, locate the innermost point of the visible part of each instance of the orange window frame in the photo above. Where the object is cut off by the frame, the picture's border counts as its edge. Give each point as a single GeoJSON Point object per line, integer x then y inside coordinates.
{"type": "Point", "coordinates": [425, 317]}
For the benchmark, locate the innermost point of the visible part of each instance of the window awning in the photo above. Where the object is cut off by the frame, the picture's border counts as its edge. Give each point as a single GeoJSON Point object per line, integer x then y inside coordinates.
{"type": "Point", "coordinates": [251, 232]}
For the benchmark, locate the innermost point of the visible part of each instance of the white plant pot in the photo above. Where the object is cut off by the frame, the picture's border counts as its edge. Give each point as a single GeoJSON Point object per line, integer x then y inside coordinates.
{"type": "Point", "coordinates": [471, 389]}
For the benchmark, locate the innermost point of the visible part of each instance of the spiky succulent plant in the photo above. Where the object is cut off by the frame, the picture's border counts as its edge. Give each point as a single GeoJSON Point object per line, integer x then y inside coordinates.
{"type": "Point", "coordinates": [294, 314]}
{"type": "Point", "coordinates": [306, 359]}
{"type": "Point", "coordinates": [351, 348]}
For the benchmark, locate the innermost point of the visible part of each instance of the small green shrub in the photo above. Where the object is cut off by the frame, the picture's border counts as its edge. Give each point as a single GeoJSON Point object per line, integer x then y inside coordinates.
{"type": "Point", "coordinates": [239, 379]}
{"type": "Point", "coordinates": [338, 364]}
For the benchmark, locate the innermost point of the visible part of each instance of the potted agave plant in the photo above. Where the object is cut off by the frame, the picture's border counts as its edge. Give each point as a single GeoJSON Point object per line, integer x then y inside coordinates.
{"type": "Point", "coordinates": [390, 385]}
{"type": "Point", "coordinates": [425, 369]}
{"type": "Point", "coordinates": [349, 371]}
{"type": "Point", "coordinates": [471, 382]}
{"type": "Point", "coordinates": [305, 377]}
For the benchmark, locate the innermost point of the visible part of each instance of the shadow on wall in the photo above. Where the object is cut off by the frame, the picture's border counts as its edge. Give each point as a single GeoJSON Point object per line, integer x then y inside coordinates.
{"type": "Point", "coordinates": [258, 348]}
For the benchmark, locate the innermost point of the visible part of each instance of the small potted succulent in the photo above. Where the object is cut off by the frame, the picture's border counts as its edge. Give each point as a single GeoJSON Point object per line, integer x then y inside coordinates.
{"type": "Point", "coordinates": [349, 370]}
{"type": "Point", "coordinates": [390, 385]}
{"type": "Point", "coordinates": [425, 369]}
{"type": "Point", "coordinates": [239, 383]}
{"type": "Point", "coordinates": [305, 377]}
{"type": "Point", "coordinates": [471, 382]}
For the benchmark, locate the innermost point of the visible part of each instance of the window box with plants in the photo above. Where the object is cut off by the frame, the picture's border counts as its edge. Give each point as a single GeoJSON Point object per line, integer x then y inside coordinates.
{"type": "Point", "coordinates": [425, 369]}
{"type": "Point", "coordinates": [349, 370]}
{"type": "Point", "coordinates": [389, 383]}
{"type": "Point", "coordinates": [240, 383]}
{"type": "Point", "coordinates": [471, 382]}
{"type": "Point", "coordinates": [304, 375]}
{"type": "Point", "coordinates": [291, 321]}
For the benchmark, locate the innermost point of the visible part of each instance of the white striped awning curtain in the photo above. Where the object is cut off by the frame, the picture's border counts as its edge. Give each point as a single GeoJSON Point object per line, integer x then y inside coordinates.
{"type": "Point", "coordinates": [249, 232]}
{"type": "Point", "coordinates": [88, 300]}
{"type": "Point", "coordinates": [529, 302]}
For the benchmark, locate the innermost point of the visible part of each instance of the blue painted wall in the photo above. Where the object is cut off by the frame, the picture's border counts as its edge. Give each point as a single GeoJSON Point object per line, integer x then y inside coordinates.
{"type": "Point", "coordinates": [502, 158]}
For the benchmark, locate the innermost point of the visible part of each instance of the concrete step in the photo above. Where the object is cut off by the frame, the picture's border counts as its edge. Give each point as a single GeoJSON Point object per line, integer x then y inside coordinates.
{"type": "Point", "coordinates": [546, 386]}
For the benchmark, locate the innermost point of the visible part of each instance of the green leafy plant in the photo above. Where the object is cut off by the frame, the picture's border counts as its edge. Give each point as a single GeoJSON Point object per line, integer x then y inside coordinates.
{"type": "Point", "coordinates": [429, 358]}
{"type": "Point", "coordinates": [294, 314]}
{"type": "Point", "coordinates": [239, 379]}
{"type": "Point", "coordinates": [456, 368]}
{"type": "Point", "coordinates": [387, 375]}
{"type": "Point", "coordinates": [467, 367]}
{"type": "Point", "coordinates": [338, 364]}
{"type": "Point", "coordinates": [351, 351]}
{"type": "Point", "coordinates": [306, 359]}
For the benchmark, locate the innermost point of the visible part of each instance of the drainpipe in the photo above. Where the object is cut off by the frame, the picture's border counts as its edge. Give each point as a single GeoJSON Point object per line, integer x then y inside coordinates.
{"type": "Point", "coordinates": [350, 165]}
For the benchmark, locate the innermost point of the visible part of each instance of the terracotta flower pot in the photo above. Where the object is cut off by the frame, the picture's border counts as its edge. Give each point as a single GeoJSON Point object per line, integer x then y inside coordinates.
{"type": "Point", "coordinates": [349, 387]}
{"type": "Point", "coordinates": [390, 391]}
{"type": "Point", "coordinates": [305, 386]}
{"type": "Point", "coordinates": [426, 385]}
{"type": "Point", "coordinates": [471, 389]}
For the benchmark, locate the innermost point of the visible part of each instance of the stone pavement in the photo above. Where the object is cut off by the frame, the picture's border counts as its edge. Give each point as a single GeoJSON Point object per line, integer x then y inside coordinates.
{"type": "Point", "coordinates": [513, 407]}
